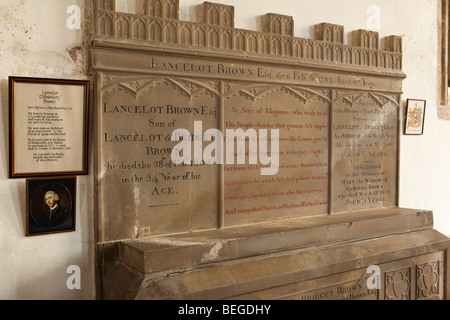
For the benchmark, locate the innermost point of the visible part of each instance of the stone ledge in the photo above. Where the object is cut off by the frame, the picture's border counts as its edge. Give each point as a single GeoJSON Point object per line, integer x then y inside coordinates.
{"type": "Point", "coordinates": [183, 251]}
{"type": "Point", "coordinates": [304, 273]}
{"type": "Point", "coordinates": [99, 44]}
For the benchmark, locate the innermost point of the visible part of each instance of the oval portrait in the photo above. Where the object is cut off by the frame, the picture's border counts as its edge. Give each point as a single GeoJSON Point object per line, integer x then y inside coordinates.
{"type": "Point", "coordinates": [51, 205]}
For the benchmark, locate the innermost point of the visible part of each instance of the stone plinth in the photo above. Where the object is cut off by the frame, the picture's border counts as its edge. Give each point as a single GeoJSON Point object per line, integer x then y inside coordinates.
{"type": "Point", "coordinates": [305, 259]}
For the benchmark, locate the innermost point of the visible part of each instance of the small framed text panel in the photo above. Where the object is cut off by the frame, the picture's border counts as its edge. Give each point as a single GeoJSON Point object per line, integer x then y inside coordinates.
{"type": "Point", "coordinates": [48, 126]}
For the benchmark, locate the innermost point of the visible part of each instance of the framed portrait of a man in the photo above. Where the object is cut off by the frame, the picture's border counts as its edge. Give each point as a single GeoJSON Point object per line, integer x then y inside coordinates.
{"type": "Point", "coordinates": [51, 205]}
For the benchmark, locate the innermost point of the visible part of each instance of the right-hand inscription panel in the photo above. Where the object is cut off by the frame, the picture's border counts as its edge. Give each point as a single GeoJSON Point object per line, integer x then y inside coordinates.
{"type": "Point", "coordinates": [364, 136]}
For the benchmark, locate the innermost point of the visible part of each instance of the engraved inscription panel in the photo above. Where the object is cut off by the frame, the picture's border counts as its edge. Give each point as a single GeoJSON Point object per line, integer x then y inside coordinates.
{"type": "Point", "coordinates": [142, 191]}
{"type": "Point", "coordinates": [300, 185]}
{"type": "Point", "coordinates": [334, 107]}
{"type": "Point", "coordinates": [352, 290]}
{"type": "Point", "coordinates": [415, 278]}
{"type": "Point", "coordinates": [138, 115]}
{"type": "Point", "coordinates": [365, 146]}
{"type": "Point", "coordinates": [350, 285]}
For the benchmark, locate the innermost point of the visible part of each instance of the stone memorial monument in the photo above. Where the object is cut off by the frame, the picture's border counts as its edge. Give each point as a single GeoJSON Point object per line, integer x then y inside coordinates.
{"type": "Point", "coordinates": [238, 164]}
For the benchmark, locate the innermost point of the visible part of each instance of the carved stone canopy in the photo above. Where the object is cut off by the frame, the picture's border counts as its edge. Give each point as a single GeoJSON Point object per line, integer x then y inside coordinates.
{"type": "Point", "coordinates": [158, 23]}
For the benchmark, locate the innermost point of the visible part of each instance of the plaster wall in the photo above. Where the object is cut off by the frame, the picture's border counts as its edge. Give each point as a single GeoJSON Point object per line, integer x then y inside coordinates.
{"type": "Point", "coordinates": [35, 42]}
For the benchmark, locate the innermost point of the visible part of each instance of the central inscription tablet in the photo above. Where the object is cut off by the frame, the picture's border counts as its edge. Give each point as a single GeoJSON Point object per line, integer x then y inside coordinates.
{"type": "Point", "coordinates": [300, 186]}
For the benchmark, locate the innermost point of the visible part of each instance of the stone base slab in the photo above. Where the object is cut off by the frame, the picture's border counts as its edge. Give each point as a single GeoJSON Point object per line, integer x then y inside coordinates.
{"type": "Point", "coordinates": [306, 259]}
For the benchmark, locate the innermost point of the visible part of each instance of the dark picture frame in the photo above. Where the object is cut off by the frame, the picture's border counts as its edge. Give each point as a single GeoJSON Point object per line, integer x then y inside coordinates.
{"type": "Point", "coordinates": [58, 193]}
{"type": "Point", "coordinates": [415, 116]}
{"type": "Point", "coordinates": [48, 127]}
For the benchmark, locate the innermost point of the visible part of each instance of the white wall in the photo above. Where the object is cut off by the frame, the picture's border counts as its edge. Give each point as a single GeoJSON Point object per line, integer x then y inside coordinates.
{"type": "Point", "coordinates": [34, 41]}
{"type": "Point", "coordinates": [425, 160]}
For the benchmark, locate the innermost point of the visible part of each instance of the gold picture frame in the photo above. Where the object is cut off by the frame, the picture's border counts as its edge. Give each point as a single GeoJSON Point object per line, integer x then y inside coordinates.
{"type": "Point", "coordinates": [48, 125]}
